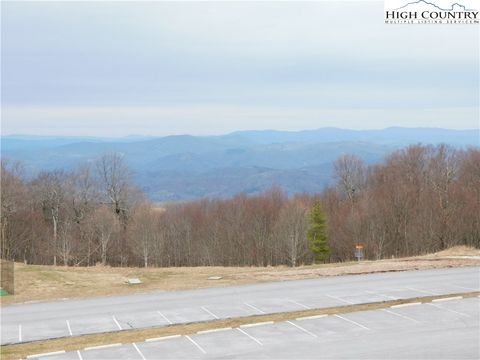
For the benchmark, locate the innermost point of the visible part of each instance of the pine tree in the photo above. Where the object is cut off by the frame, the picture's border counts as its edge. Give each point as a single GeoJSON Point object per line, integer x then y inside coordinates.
{"type": "Point", "coordinates": [317, 234]}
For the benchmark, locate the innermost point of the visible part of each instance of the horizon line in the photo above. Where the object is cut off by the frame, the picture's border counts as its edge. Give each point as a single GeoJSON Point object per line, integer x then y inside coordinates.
{"type": "Point", "coordinates": [231, 132]}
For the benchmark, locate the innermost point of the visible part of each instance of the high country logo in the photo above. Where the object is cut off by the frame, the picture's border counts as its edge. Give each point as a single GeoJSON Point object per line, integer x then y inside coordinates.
{"type": "Point", "coordinates": [425, 12]}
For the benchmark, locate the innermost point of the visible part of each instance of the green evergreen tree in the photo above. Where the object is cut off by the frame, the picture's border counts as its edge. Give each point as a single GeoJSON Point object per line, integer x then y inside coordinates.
{"type": "Point", "coordinates": [317, 234]}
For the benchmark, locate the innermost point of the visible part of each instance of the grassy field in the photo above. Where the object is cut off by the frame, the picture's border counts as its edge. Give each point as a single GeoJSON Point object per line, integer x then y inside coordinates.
{"type": "Point", "coordinates": [41, 283]}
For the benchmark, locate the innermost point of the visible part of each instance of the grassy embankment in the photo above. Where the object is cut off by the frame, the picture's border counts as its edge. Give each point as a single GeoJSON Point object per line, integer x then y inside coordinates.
{"type": "Point", "coordinates": [43, 283]}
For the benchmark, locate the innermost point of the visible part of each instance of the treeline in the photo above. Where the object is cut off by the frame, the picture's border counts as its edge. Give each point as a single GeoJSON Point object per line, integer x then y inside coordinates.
{"type": "Point", "coordinates": [420, 199]}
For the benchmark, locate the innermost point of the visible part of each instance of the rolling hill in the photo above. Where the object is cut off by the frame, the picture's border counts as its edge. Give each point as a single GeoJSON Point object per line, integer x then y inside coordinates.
{"type": "Point", "coordinates": [184, 167]}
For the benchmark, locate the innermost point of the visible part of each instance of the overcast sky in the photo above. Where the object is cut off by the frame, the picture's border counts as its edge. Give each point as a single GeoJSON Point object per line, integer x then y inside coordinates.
{"type": "Point", "coordinates": [158, 68]}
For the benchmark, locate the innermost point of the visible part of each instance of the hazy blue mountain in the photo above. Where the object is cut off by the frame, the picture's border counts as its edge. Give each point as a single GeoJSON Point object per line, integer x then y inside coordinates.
{"type": "Point", "coordinates": [188, 167]}
{"type": "Point", "coordinates": [393, 135]}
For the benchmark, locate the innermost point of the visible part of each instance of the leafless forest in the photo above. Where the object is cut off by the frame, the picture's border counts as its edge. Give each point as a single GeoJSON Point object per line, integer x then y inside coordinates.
{"type": "Point", "coordinates": [420, 199]}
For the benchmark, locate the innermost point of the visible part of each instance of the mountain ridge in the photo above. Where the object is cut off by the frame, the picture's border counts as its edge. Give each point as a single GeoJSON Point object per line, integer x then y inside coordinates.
{"type": "Point", "coordinates": [186, 167]}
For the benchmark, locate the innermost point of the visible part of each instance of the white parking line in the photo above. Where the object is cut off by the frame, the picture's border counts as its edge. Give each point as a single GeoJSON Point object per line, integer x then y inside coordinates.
{"type": "Point", "coordinates": [20, 332]}
{"type": "Point", "coordinates": [405, 305]}
{"type": "Point", "coordinates": [383, 295]}
{"type": "Point", "coordinates": [464, 287]}
{"type": "Point", "coordinates": [163, 338]}
{"type": "Point", "coordinates": [255, 308]}
{"type": "Point", "coordinates": [250, 336]}
{"type": "Point", "coordinates": [448, 299]}
{"type": "Point", "coordinates": [166, 319]}
{"type": "Point", "coordinates": [301, 328]}
{"type": "Point", "coordinates": [209, 312]}
{"type": "Point", "coordinates": [301, 305]}
{"type": "Point", "coordinates": [340, 299]}
{"type": "Point", "coordinates": [194, 343]}
{"type": "Point", "coordinates": [213, 330]}
{"type": "Point", "coordinates": [422, 291]}
{"type": "Point", "coordinates": [79, 355]}
{"type": "Point", "coordinates": [102, 346]}
{"type": "Point", "coordinates": [139, 352]}
{"type": "Point", "coordinates": [69, 328]}
{"type": "Point", "coordinates": [311, 317]}
{"type": "Point", "coordinates": [450, 310]}
{"type": "Point", "coordinates": [353, 322]}
{"type": "Point", "coordinates": [116, 322]}
{"type": "Point", "coordinates": [46, 354]}
{"type": "Point", "coordinates": [256, 324]}
{"type": "Point", "coordinates": [400, 315]}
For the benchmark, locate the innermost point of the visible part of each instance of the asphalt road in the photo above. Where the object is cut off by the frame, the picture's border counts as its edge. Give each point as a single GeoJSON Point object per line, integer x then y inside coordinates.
{"type": "Point", "coordinates": [28, 322]}
{"type": "Point", "coordinates": [440, 330]}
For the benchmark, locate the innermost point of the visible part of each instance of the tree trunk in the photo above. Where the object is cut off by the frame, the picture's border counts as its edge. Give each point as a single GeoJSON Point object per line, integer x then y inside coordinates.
{"type": "Point", "coordinates": [54, 240]}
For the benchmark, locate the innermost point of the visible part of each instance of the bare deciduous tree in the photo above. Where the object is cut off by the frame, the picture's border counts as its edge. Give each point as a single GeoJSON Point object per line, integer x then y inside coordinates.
{"type": "Point", "coordinates": [290, 233]}
{"type": "Point", "coordinates": [105, 224]}
{"type": "Point", "coordinates": [115, 181]}
{"type": "Point", "coordinates": [145, 231]}
{"type": "Point", "coordinates": [419, 199]}
{"type": "Point", "coordinates": [350, 172]}
{"type": "Point", "coordinates": [51, 189]}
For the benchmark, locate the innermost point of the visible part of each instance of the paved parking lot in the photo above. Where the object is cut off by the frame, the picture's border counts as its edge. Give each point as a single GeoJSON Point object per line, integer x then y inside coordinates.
{"type": "Point", "coordinates": [28, 322]}
{"type": "Point", "coordinates": [437, 330]}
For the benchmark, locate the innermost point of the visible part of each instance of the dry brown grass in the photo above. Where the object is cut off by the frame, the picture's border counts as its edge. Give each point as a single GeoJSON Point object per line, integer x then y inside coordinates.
{"type": "Point", "coordinates": [41, 283]}
{"type": "Point", "coordinates": [128, 336]}
{"type": "Point", "coordinates": [458, 251]}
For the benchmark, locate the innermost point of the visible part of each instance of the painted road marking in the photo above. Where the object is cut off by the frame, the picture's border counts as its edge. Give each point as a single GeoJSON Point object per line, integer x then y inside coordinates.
{"type": "Point", "coordinates": [465, 287]}
{"type": "Point", "coordinates": [448, 299]}
{"type": "Point", "coordinates": [163, 338]}
{"type": "Point", "coordinates": [209, 312]}
{"type": "Point", "coordinates": [311, 317]}
{"type": "Point", "coordinates": [405, 305]}
{"type": "Point", "coordinates": [139, 352]}
{"type": "Point", "coordinates": [422, 291]}
{"type": "Point", "coordinates": [20, 333]}
{"type": "Point", "coordinates": [256, 324]}
{"type": "Point", "coordinates": [450, 310]}
{"type": "Point", "coordinates": [301, 328]}
{"type": "Point", "coordinates": [395, 289]}
{"type": "Point", "coordinates": [250, 336]}
{"type": "Point", "coordinates": [353, 322]}
{"type": "Point", "coordinates": [79, 355]}
{"type": "Point", "coordinates": [301, 305]}
{"type": "Point", "coordinates": [214, 330]}
{"type": "Point", "coordinates": [379, 294]}
{"type": "Point", "coordinates": [255, 308]}
{"type": "Point", "coordinates": [116, 322]}
{"type": "Point", "coordinates": [400, 315]}
{"type": "Point", "coordinates": [167, 320]}
{"type": "Point", "coordinates": [102, 346]}
{"type": "Point", "coordinates": [46, 354]}
{"type": "Point", "coordinates": [194, 343]}
{"type": "Point", "coordinates": [339, 299]}
{"type": "Point", "coordinates": [69, 328]}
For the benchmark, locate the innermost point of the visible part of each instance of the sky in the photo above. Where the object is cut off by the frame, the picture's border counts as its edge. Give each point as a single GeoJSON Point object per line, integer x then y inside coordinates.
{"type": "Point", "coordinates": [103, 68]}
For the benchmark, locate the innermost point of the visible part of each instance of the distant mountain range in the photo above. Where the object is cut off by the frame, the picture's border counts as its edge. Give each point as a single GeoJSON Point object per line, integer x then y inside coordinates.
{"type": "Point", "coordinates": [185, 167]}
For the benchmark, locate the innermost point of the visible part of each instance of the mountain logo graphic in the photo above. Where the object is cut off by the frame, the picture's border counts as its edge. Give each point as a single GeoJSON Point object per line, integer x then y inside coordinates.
{"type": "Point", "coordinates": [430, 12]}
{"type": "Point", "coordinates": [452, 7]}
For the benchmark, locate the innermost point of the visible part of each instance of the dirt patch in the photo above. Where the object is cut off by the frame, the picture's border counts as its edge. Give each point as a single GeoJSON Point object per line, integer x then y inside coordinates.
{"type": "Point", "coordinates": [42, 283]}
